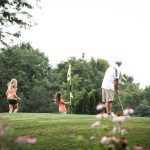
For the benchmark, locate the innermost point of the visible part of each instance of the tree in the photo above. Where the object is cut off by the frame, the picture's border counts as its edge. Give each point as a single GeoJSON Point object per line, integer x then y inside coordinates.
{"type": "Point", "coordinates": [86, 76]}
{"type": "Point", "coordinates": [146, 96]}
{"type": "Point", "coordinates": [31, 68]}
{"type": "Point", "coordinates": [92, 106]}
{"type": "Point", "coordinates": [142, 110]}
{"type": "Point", "coordinates": [14, 15]}
{"type": "Point", "coordinates": [130, 93]}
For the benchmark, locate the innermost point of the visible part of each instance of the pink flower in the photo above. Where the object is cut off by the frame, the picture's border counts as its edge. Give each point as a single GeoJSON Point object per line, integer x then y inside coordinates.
{"type": "Point", "coordinates": [138, 147]}
{"type": "Point", "coordinates": [104, 139]}
{"type": "Point", "coordinates": [128, 111]}
{"type": "Point", "coordinates": [119, 118]}
{"type": "Point", "coordinates": [21, 139]}
{"type": "Point", "coordinates": [116, 129]}
{"type": "Point", "coordinates": [95, 124]}
{"type": "Point", "coordinates": [119, 130]}
{"type": "Point", "coordinates": [114, 139]}
{"type": "Point", "coordinates": [2, 133]}
{"type": "Point", "coordinates": [100, 106]}
{"type": "Point", "coordinates": [31, 140]}
{"type": "Point", "coordinates": [102, 115]}
{"type": "Point", "coordinates": [107, 139]}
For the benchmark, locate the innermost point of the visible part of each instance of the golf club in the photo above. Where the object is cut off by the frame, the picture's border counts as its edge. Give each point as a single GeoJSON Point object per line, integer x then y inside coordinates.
{"type": "Point", "coordinates": [120, 103]}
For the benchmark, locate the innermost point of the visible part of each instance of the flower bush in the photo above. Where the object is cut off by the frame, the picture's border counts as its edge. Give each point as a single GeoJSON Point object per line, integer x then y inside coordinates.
{"type": "Point", "coordinates": [115, 138]}
{"type": "Point", "coordinates": [8, 140]}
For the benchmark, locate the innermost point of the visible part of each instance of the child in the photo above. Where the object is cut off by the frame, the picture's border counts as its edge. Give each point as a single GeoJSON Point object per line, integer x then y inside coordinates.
{"type": "Point", "coordinates": [62, 105]}
{"type": "Point", "coordinates": [12, 97]}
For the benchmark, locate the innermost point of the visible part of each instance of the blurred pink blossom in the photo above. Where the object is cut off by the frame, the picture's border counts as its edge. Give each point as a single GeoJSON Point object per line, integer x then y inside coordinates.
{"type": "Point", "coordinates": [102, 115]}
{"type": "Point", "coordinates": [31, 140]}
{"type": "Point", "coordinates": [2, 133]}
{"type": "Point", "coordinates": [119, 118]}
{"type": "Point", "coordinates": [119, 130]}
{"type": "Point", "coordinates": [95, 124]}
{"type": "Point", "coordinates": [114, 139]}
{"type": "Point", "coordinates": [100, 106]}
{"type": "Point", "coordinates": [107, 139]}
{"type": "Point", "coordinates": [104, 139]}
{"type": "Point", "coordinates": [138, 147]}
{"type": "Point", "coordinates": [128, 111]}
{"type": "Point", "coordinates": [21, 139]}
{"type": "Point", "coordinates": [25, 139]}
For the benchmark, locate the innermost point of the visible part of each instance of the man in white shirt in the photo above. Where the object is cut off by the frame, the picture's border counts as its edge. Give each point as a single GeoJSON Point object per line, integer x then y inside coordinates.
{"type": "Point", "coordinates": [110, 85]}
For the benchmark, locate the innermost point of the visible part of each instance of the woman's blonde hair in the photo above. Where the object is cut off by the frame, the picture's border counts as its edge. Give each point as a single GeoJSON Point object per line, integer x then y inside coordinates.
{"type": "Point", "coordinates": [11, 83]}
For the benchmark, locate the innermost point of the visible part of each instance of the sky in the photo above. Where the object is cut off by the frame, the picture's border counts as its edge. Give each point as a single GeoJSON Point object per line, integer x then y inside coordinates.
{"type": "Point", "coordinates": [104, 29]}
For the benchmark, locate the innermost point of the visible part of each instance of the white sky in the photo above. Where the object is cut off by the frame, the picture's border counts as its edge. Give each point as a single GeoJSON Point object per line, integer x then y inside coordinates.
{"type": "Point", "coordinates": [106, 29]}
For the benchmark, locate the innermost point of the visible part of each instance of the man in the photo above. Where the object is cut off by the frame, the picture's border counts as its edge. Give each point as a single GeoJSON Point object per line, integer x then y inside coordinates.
{"type": "Point", "coordinates": [110, 85]}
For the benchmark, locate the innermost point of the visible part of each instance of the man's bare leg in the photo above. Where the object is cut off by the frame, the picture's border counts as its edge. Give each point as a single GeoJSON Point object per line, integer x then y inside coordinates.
{"type": "Point", "coordinates": [108, 107]}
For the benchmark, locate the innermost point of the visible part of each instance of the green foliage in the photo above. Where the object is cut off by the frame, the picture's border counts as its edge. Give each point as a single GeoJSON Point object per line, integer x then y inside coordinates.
{"type": "Point", "coordinates": [93, 104]}
{"type": "Point", "coordinates": [38, 82]}
{"type": "Point", "coordinates": [85, 104]}
{"type": "Point", "coordinates": [142, 110]}
{"type": "Point", "coordinates": [87, 77]}
{"type": "Point", "coordinates": [8, 140]}
{"type": "Point", "coordinates": [130, 93]}
{"type": "Point", "coordinates": [72, 132]}
{"type": "Point", "coordinates": [14, 13]}
{"type": "Point", "coordinates": [30, 67]}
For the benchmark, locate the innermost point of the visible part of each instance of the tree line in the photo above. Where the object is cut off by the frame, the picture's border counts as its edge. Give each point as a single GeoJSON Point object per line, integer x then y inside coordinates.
{"type": "Point", "coordinates": [38, 82]}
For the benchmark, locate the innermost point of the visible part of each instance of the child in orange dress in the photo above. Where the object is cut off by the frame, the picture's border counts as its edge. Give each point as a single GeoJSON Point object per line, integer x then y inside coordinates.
{"type": "Point", "coordinates": [62, 105]}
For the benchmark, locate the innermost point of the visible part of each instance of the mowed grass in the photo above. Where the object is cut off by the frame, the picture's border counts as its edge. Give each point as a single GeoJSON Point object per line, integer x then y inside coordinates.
{"type": "Point", "coordinates": [73, 132]}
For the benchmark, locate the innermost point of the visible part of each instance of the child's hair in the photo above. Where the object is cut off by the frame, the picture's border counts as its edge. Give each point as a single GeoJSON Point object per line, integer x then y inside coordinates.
{"type": "Point", "coordinates": [58, 97]}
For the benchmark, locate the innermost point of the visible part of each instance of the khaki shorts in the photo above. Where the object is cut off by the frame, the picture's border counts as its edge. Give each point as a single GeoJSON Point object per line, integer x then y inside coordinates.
{"type": "Point", "coordinates": [107, 95]}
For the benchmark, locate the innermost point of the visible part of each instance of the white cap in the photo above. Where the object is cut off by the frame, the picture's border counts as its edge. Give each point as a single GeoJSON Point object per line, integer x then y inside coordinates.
{"type": "Point", "coordinates": [118, 61]}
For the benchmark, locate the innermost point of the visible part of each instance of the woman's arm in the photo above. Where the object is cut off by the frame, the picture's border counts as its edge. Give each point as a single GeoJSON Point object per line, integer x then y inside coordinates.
{"type": "Point", "coordinates": [18, 97]}
{"type": "Point", "coordinates": [15, 94]}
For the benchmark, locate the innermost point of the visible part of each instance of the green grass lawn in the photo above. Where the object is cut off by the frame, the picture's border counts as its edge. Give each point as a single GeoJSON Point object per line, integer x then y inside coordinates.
{"type": "Point", "coordinates": [73, 132]}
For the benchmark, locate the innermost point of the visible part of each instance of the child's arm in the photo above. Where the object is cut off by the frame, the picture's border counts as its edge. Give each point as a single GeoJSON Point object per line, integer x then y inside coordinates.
{"type": "Point", "coordinates": [55, 102]}
{"type": "Point", "coordinates": [67, 103]}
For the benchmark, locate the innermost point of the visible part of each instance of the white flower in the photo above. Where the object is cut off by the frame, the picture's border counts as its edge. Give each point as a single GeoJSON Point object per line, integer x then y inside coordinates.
{"type": "Point", "coordinates": [92, 137]}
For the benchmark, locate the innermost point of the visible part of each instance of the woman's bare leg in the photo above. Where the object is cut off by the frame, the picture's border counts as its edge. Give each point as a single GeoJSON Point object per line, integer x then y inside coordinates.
{"type": "Point", "coordinates": [10, 108]}
{"type": "Point", "coordinates": [16, 108]}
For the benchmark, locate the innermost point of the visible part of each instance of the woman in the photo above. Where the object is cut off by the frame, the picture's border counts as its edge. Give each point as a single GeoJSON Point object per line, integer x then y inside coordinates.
{"type": "Point", "coordinates": [12, 96]}
{"type": "Point", "coordinates": [62, 105]}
